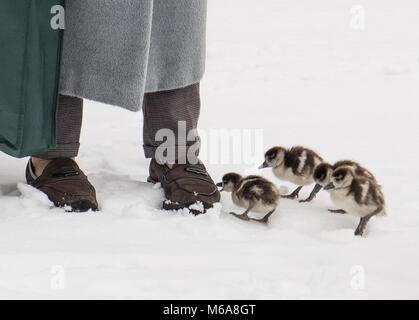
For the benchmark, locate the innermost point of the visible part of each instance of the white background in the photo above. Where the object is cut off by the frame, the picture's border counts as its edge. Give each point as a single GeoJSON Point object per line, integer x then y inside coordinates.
{"type": "Point", "coordinates": [295, 69]}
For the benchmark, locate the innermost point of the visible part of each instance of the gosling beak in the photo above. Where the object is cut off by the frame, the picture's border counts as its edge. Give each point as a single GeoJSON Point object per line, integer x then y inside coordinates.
{"type": "Point", "coordinates": [317, 188]}
{"type": "Point", "coordinates": [263, 166]}
{"type": "Point", "coordinates": [329, 186]}
{"type": "Point", "coordinates": [220, 185]}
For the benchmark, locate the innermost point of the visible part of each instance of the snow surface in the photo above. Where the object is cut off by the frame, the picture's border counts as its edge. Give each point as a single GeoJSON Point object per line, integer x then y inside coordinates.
{"type": "Point", "coordinates": [295, 69]}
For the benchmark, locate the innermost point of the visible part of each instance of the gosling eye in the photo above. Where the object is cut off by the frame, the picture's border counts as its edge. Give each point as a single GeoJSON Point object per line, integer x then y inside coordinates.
{"type": "Point", "coordinates": [339, 178]}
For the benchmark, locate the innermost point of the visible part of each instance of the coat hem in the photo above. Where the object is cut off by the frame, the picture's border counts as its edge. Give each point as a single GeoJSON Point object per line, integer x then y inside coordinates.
{"type": "Point", "coordinates": [94, 95]}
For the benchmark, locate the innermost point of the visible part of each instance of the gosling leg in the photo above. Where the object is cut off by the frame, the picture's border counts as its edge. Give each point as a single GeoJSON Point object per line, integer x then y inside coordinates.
{"type": "Point", "coordinates": [244, 215]}
{"type": "Point", "coordinates": [265, 219]}
{"type": "Point", "coordinates": [293, 195]}
{"type": "Point", "coordinates": [313, 193]}
{"type": "Point", "coordinates": [364, 221]}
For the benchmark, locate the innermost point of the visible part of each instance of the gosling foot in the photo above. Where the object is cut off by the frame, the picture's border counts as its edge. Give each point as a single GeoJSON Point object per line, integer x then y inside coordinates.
{"type": "Point", "coordinates": [341, 211]}
{"type": "Point", "coordinates": [293, 195]}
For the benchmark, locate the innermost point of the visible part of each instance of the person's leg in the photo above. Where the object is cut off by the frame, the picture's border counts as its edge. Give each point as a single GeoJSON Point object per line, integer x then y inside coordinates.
{"type": "Point", "coordinates": [176, 110]}
{"type": "Point", "coordinates": [185, 181]}
{"type": "Point", "coordinates": [69, 121]}
{"type": "Point", "coordinates": [55, 172]}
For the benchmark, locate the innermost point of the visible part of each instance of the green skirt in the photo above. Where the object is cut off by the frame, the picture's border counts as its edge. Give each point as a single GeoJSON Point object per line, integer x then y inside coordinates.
{"type": "Point", "coordinates": [30, 54]}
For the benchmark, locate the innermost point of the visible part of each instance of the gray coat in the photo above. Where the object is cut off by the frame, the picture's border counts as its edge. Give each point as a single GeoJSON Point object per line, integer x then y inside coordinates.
{"type": "Point", "coordinates": [116, 50]}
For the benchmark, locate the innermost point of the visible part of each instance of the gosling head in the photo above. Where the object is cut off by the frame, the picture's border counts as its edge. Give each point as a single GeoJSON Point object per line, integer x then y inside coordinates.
{"type": "Point", "coordinates": [323, 174]}
{"type": "Point", "coordinates": [342, 177]}
{"type": "Point", "coordinates": [230, 181]}
{"type": "Point", "coordinates": [274, 157]}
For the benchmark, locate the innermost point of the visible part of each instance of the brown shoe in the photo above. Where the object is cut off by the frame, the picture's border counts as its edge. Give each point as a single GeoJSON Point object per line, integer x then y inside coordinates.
{"type": "Point", "coordinates": [64, 184]}
{"type": "Point", "coordinates": [185, 186]}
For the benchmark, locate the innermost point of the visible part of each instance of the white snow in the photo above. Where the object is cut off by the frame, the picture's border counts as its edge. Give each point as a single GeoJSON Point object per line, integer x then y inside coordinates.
{"type": "Point", "coordinates": [295, 69]}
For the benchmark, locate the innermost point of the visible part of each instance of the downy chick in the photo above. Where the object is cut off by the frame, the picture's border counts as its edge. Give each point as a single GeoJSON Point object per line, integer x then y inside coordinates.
{"type": "Point", "coordinates": [294, 165]}
{"type": "Point", "coordinates": [323, 175]}
{"type": "Point", "coordinates": [254, 193]}
{"type": "Point", "coordinates": [358, 196]}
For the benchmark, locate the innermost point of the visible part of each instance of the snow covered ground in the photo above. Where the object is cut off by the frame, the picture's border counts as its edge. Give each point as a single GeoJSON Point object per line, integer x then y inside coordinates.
{"type": "Point", "coordinates": [306, 74]}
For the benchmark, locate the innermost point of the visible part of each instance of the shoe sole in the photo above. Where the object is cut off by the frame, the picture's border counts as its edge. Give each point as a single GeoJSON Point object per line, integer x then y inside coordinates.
{"type": "Point", "coordinates": [176, 206]}
{"type": "Point", "coordinates": [151, 180]}
{"type": "Point", "coordinates": [83, 206]}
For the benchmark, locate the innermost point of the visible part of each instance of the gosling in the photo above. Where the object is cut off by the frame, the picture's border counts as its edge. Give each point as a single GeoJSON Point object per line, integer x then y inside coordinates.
{"type": "Point", "coordinates": [358, 196]}
{"type": "Point", "coordinates": [294, 165]}
{"type": "Point", "coordinates": [323, 176]}
{"type": "Point", "coordinates": [254, 193]}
